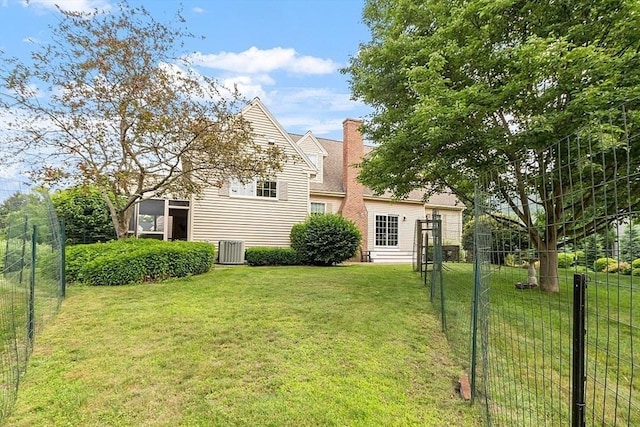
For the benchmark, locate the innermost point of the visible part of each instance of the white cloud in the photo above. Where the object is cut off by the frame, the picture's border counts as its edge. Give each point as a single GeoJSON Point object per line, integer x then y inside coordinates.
{"type": "Point", "coordinates": [70, 5]}
{"type": "Point", "coordinates": [198, 10]}
{"type": "Point", "coordinates": [31, 40]}
{"type": "Point", "coordinates": [254, 60]}
{"type": "Point", "coordinates": [319, 110]}
{"type": "Point", "coordinates": [248, 86]}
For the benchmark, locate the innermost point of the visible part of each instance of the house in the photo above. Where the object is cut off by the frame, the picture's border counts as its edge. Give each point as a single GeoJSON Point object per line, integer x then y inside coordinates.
{"type": "Point", "coordinates": [388, 225]}
{"type": "Point", "coordinates": [320, 176]}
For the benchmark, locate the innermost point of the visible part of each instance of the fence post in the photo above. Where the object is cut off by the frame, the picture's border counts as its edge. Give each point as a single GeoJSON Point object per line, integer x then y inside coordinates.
{"type": "Point", "coordinates": [474, 324]}
{"type": "Point", "coordinates": [6, 250]}
{"type": "Point", "coordinates": [32, 290]}
{"type": "Point", "coordinates": [63, 265]}
{"type": "Point", "coordinates": [578, 366]}
{"type": "Point", "coordinates": [24, 242]}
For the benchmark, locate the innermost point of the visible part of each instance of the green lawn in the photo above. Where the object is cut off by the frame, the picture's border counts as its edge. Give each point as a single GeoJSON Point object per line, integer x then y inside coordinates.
{"type": "Point", "coordinates": [357, 345]}
{"type": "Point", "coordinates": [529, 353]}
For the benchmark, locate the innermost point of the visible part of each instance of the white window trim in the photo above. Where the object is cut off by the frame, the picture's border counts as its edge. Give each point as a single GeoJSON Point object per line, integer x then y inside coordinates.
{"type": "Point", "coordinates": [390, 247]}
{"type": "Point", "coordinates": [254, 186]}
{"type": "Point", "coordinates": [324, 207]}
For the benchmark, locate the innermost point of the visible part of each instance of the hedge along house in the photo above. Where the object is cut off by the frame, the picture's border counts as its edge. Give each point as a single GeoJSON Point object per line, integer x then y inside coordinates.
{"type": "Point", "coordinates": [387, 225]}
{"type": "Point", "coordinates": [320, 176]}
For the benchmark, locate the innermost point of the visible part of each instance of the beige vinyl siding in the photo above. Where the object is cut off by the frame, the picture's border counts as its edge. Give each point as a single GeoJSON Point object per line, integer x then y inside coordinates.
{"type": "Point", "coordinates": [332, 204]}
{"type": "Point", "coordinates": [257, 221]}
{"type": "Point", "coordinates": [407, 214]}
{"type": "Point", "coordinates": [451, 224]}
{"type": "Point", "coordinates": [309, 147]}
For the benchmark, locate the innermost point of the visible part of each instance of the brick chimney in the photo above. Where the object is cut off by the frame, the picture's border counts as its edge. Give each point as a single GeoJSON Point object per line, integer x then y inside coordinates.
{"type": "Point", "coordinates": [352, 206]}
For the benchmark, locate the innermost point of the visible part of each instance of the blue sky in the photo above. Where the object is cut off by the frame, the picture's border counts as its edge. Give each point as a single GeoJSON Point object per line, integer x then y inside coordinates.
{"type": "Point", "coordinates": [287, 52]}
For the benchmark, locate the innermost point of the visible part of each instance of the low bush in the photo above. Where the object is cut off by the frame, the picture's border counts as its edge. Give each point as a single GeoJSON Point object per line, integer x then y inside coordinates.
{"type": "Point", "coordinates": [136, 260]}
{"type": "Point", "coordinates": [325, 239]}
{"type": "Point", "coordinates": [625, 268]}
{"type": "Point", "coordinates": [258, 256]}
{"type": "Point", "coordinates": [581, 258]}
{"type": "Point", "coordinates": [602, 264]}
{"type": "Point", "coordinates": [635, 263]}
{"type": "Point", "coordinates": [622, 268]}
{"type": "Point", "coordinates": [78, 256]}
{"type": "Point", "coordinates": [566, 259]}
{"type": "Point", "coordinates": [111, 269]}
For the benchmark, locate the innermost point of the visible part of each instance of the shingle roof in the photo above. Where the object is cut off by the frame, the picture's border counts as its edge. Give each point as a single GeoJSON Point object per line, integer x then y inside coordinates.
{"type": "Point", "coordinates": [332, 176]}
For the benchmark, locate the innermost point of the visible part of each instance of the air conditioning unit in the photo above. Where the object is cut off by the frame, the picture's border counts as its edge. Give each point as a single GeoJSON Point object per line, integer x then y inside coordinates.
{"type": "Point", "coordinates": [231, 252]}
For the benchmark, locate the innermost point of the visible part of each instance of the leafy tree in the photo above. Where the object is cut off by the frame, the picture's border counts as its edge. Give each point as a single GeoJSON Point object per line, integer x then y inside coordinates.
{"type": "Point", "coordinates": [111, 103]}
{"type": "Point", "coordinates": [85, 213]}
{"type": "Point", "coordinates": [592, 248]}
{"type": "Point", "coordinates": [464, 90]}
{"type": "Point", "coordinates": [630, 242]}
{"type": "Point", "coordinates": [27, 210]}
{"type": "Point", "coordinates": [507, 237]}
{"type": "Point", "coordinates": [13, 203]}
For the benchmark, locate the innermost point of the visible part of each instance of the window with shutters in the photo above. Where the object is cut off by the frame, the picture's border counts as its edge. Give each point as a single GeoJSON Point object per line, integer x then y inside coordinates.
{"type": "Point", "coordinates": [255, 188]}
{"type": "Point", "coordinates": [267, 189]}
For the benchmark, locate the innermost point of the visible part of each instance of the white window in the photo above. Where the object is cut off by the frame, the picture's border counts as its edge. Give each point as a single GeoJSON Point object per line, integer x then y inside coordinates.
{"type": "Point", "coordinates": [313, 158]}
{"type": "Point", "coordinates": [239, 189]}
{"type": "Point", "coordinates": [268, 189]}
{"type": "Point", "coordinates": [386, 230]}
{"type": "Point", "coordinates": [318, 208]}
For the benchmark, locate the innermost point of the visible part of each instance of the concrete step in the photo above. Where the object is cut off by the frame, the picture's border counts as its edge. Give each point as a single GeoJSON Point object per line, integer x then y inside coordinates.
{"type": "Point", "coordinates": [391, 257]}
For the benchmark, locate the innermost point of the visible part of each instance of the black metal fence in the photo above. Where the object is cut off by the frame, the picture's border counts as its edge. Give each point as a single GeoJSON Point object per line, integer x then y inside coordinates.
{"type": "Point", "coordinates": [555, 319]}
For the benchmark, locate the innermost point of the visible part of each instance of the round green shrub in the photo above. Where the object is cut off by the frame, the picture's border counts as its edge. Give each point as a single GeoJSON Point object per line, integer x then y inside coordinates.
{"type": "Point", "coordinates": [86, 215]}
{"type": "Point", "coordinates": [601, 264]}
{"type": "Point", "coordinates": [635, 263]}
{"type": "Point", "coordinates": [325, 239]}
{"type": "Point", "coordinates": [635, 272]}
{"type": "Point", "coordinates": [581, 258]}
{"type": "Point", "coordinates": [565, 259]}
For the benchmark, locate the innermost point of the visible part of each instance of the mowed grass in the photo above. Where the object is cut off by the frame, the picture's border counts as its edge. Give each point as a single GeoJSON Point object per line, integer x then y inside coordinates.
{"type": "Point", "coordinates": [529, 353]}
{"type": "Point", "coordinates": [356, 345]}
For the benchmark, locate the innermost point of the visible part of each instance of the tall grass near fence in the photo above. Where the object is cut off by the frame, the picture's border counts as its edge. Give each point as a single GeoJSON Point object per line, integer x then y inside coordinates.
{"type": "Point", "coordinates": [581, 198]}
{"type": "Point", "coordinates": [31, 279]}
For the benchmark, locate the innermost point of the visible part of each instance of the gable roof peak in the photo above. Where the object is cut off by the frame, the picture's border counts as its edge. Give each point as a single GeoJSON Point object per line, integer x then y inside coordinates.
{"type": "Point", "coordinates": [309, 136]}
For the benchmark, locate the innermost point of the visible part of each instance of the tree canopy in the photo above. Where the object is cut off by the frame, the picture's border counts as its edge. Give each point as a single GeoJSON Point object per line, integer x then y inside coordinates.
{"type": "Point", "coordinates": [469, 89]}
{"type": "Point", "coordinates": [112, 102]}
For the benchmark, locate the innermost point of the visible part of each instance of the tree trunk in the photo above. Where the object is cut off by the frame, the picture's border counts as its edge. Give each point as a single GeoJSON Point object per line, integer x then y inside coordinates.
{"type": "Point", "coordinates": [122, 223]}
{"type": "Point", "coordinates": [119, 218]}
{"type": "Point", "coordinates": [549, 267]}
